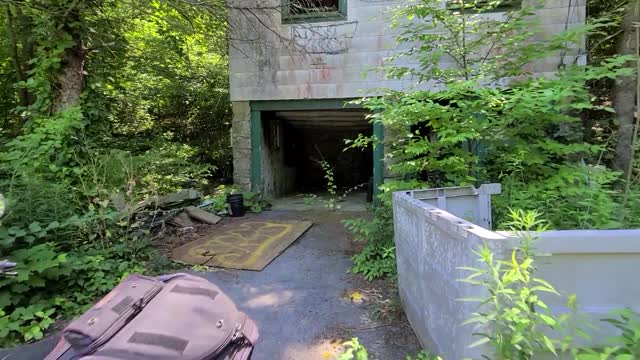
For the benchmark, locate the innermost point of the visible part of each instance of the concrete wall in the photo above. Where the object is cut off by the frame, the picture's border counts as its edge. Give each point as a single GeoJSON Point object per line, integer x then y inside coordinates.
{"type": "Point", "coordinates": [275, 61]}
{"type": "Point", "coordinates": [241, 144]}
{"type": "Point", "coordinates": [600, 266]}
{"type": "Point", "coordinates": [431, 244]}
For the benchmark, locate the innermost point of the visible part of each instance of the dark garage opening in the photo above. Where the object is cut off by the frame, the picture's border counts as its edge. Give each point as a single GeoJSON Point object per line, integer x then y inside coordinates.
{"type": "Point", "coordinates": [296, 141]}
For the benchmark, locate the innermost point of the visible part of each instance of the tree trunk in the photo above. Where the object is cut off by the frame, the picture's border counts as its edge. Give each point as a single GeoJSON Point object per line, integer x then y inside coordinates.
{"type": "Point", "coordinates": [71, 79]}
{"type": "Point", "coordinates": [28, 46]}
{"type": "Point", "coordinates": [23, 94]}
{"type": "Point", "coordinates": [624, 92]}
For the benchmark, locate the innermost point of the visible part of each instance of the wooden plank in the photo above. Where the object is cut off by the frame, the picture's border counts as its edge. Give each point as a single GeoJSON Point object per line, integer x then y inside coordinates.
{"type": "Point", "coordinates": [202, 215]}
{"type": "Point", "coordinates": [182, 220]}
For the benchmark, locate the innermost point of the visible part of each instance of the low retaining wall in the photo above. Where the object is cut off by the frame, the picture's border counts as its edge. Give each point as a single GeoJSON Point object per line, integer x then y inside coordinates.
{"type": "Point", "coordinates": [431, 244]}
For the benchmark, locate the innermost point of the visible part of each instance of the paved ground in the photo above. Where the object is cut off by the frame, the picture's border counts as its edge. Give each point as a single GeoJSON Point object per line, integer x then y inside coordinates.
{"type": "Point", "coordinates": [355, 201]}
{"type": "Point", "coordinates": [304, 302]}
{"type": "Point", "coordinates": [301, 300]}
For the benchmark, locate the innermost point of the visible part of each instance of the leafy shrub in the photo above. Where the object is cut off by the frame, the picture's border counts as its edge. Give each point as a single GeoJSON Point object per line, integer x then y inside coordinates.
{"type": "Point", "coordinates": [354, 351]}
{"type": "Point", "coordinates": [255, 202]}
{"type": "Point", "coordinates": [514, 319]}
{"type": "Point", "coordinates": [170, 166]}
{"type": "Point", "coordinates": [572, 197]}
{"type": "Point", "coordinates": [53, 284]}
{"type": "Point", "coordinates": [377, 258]}
{"type": "Point", "coordinates": [331, 186]}
{"type": "Point", "coordinates": [626, 346]}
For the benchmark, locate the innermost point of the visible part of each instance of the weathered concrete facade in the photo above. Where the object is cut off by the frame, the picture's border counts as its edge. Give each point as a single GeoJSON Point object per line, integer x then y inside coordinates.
{"type": "Point", "coordinates": [332, 56]}
{"type": "Point", "coordinates": [241, 143]}
{"type": "Point", "coordinates": [272, 60]}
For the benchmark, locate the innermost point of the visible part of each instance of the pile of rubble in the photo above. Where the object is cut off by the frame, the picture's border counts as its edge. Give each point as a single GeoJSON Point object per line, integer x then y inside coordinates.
{"type": "Point", "coordinates": [183, 210]}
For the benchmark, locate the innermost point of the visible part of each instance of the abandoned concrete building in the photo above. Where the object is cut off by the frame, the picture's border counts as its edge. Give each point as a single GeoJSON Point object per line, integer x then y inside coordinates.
{"type": "Point", "coordinates": [292, 74]}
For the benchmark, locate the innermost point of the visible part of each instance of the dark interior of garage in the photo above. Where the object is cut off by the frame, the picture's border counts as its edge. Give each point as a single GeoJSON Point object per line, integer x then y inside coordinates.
{"type": "Point", "coordinates": [295, 143]}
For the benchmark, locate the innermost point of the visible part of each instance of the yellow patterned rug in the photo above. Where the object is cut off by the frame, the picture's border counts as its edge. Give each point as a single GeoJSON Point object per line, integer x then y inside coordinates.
{"type": "Point", "coordinates": [247, 245]}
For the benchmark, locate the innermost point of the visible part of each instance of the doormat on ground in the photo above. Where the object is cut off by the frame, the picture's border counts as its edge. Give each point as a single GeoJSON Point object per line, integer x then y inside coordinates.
{"type": "Point", "coordinates": [247, 245]}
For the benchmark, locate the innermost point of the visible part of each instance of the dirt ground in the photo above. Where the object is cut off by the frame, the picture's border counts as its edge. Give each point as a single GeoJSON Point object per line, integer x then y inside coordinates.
{"type": "Point", "coordinates": [306, 303]}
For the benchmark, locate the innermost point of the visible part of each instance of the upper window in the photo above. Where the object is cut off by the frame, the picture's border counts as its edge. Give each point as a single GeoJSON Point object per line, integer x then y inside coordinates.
{"type": "Point", "coordinates": [313, 10]}
{"type": "Point", "coordinates": [491, 5]}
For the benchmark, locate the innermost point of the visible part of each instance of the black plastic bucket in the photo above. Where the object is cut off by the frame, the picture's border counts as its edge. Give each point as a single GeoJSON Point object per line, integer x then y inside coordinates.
{"type": "Point", "coordinates": [236, 205]}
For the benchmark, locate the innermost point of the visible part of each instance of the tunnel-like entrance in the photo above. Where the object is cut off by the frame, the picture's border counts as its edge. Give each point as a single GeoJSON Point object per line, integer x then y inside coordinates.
{"type": "Point", "coordinates": [296, 142]}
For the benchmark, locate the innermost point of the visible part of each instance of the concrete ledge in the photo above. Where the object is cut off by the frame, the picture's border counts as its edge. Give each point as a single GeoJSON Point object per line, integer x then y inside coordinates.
{"type": "Point", "coordinates": [586, 241]}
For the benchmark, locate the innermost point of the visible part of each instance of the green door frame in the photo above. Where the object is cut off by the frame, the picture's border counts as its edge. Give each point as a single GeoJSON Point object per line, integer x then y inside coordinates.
{"type": "Point", "coordinates": [257, 107]}
{"type": "Point", "coordinates": [256, 151]}
{"type": "Point", "coordinates": [378, 159]}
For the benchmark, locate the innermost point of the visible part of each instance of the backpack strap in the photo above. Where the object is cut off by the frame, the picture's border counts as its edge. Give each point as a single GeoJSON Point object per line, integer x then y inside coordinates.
{"type": "Point", "coordinates": [59, 350]}
{"type": "Point", "coordinates": [97, 325]}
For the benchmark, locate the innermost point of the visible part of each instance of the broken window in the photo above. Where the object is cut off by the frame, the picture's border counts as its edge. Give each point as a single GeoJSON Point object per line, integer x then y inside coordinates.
{"type": "Point", "coordinates": [314, 10]}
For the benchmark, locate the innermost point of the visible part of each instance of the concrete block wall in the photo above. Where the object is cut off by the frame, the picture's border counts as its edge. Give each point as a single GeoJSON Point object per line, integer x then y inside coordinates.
{"type": "Point", "coordinates": [599, 266]}
{"type": "Point", "coordinates": [270, 60]}
{"type": "Point", "coordinates": [241, 143]}
{"type": "Point", "coordinates": [323, 60]}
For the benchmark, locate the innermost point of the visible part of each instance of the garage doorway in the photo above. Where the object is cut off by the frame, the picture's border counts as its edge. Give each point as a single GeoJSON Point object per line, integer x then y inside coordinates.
{"type": "Point", "coordinates": [296, 142]}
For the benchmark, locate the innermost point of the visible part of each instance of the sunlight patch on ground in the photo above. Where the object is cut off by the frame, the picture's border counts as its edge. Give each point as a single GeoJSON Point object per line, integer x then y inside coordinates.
{"type": "Point", "coordinates": [324, 350]}
{"type": "Point", "coordinates": [270, 299]}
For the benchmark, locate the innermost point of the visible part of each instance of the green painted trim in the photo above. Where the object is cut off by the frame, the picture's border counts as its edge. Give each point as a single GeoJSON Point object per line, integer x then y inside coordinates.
{"type": "Point", "coordinates": [288, 18]}
{"type": "Point", "coordinates": [312, 18]}
{"type": "Point", "coordinates": [320, 104]}
{"type": "Point", "coordinates": [378, 159]}
{"type": "Point", "coordinates": [505, 5]}
{"type": "Point", "coordinates": [256, 151]}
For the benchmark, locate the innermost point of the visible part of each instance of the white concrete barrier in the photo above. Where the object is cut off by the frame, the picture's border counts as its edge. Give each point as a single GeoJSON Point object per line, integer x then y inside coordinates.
{"type": "Point", "coordinates": [431, 244]}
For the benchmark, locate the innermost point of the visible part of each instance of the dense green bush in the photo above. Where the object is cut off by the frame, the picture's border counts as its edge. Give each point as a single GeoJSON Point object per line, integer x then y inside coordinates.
{"type": "Point", "coordinates": [101, 107]}
{"type": "Point", "coordinates": [53, 284]}
{"type": "Point", "coordinates": [488, 118]}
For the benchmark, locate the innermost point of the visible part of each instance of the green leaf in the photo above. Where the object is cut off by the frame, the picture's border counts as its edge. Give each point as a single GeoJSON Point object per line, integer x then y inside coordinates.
{"type": "Point", "coordinates": [549, 344]}
{"type": "Point", "coordinates": [35, 227]}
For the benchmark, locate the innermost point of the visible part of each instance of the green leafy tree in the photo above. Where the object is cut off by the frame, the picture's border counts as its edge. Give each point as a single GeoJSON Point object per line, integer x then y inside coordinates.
{"type": "Point", "coordinates": [487, 117]}
{"type": "Point", "coordinates": [99, 100]}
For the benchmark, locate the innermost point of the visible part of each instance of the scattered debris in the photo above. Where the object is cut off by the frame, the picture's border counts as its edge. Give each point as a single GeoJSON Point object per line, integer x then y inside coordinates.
{"type": "Point", "coordinates": [356, 296]}
{"type": "Point", "coordinates": [182, 220]}
{"type": "Point", "coordinates": [181, 199]}
{"type": "Point", "coordinates": [182, 209]}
